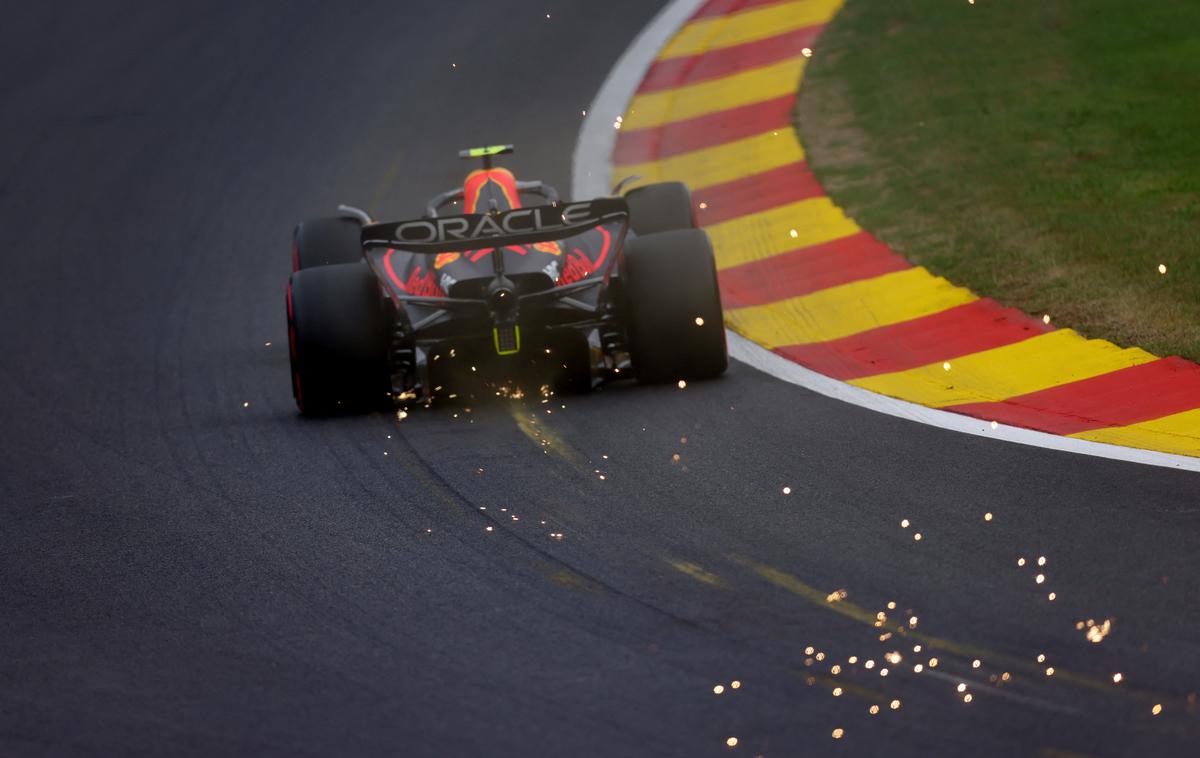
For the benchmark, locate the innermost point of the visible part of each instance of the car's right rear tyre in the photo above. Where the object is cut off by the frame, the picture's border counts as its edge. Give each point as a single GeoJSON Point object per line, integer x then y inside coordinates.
{"type": "Point", "coordinates": [673, 307]}
{"type": "Point", "coordinates": [327, 241]}
{"type": "Point", "coordinates": [337, 332]}
{"type": "Point", "coordinates": [662, 207]}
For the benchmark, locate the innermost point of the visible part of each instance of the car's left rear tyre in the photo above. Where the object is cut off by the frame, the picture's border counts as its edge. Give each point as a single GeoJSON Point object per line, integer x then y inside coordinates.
{"type": "Point", "coordinates": [338, 336]}
{"type": "Point", "coordinates": [326, 241]}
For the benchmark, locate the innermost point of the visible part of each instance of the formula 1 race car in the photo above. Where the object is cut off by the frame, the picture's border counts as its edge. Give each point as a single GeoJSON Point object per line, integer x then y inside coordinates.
{"type": "Point", "coordinates": [568, 293]}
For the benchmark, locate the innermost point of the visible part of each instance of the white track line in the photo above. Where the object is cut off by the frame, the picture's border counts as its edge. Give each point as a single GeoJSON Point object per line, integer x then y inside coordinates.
{"type": "Point", "coordinates": [592, 177]}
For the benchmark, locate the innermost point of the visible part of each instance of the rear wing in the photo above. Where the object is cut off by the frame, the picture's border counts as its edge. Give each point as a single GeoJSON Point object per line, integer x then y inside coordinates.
{"type": "Point", "coordinates": [541, 223]}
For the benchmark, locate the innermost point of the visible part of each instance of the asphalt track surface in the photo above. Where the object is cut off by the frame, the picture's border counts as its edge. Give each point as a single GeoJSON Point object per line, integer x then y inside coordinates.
{"type": "Point", "coordinates": [183, 574]}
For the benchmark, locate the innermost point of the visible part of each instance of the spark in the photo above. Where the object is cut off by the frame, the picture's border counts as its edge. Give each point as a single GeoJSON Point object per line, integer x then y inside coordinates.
{"type": "Point", "coordinates": [547, 15]}
{"type": "Point", "coordinates": [794, 233]}
{"type": "Point", "coordinates": [918, 668]}
{"type": "Point", "coordinates": [837, 691]}
{"type": "Point", "coordinates": [583, 112]}
{"type": "Point", "coordinates": [453, 65]}
{"type": "Point", "coordinates": [1049, 671]}
{"type": "Point", "coordinates": [962, 687]}
{"type": "Point", "coordinates": [903, 523]}
{"type": "Point", "coordinates": [837, 733]}
{"type": "Point", "coordinates": [946, 366]}
{"type": "Point", "coordinates": [246, 404]}
{"type": "Point", "coordinates": [820, 656]}
{"type": "Point", "coordinates": [917, 536]}
{"type": "Point", "coordinates": [809, 650]}
{"type": "Point", "coordinates": [883, 672]}
{"type": "Point", "coordinates": [1046, 319]}
{"type": "Point", "coordinates": [869, 664]}
{"type": "Point", "coordinates": [995, 425]}
{"type": "Point", "coordinates": [699, 321]}
{"type": "Point", "coordinates": [1041, 560]}
{"type": "Point", "coordinates": [681, 384]}
{"type": "Point", "coordinates": [1006, 676]}
{"type": "Point", "coordinates": [1020, 561]}
{"type": "Point", "coordinates": [852, 659]}
{"type": "Point", "coordinates": [933, 662]}
{"type": "Point", "coordinates": [718, 689]}
{"type": "Point", "coordinates": [912, 621]}
{"type": "Point", "coordinates": [806, 52]}
{"type": "Point", "coordinates": [735, 684]}
{"type": "Point", "coordinates": [1041, 658]}
{"type": "Point", "coordinates": [1117, 677]}
{"type": "Point", "coordinates": [1097, 632]}
{"type": "Point", "coordinates": [873, 710]}
{"type": "Point", "coordinates": [266, 344]}
{"type": "Point", "coordinates": [731, 742]}
{"type": "Point", "coordinates": [703, 205]}
{"type": "Point", "coordinates": [976, 663]}
{"type": "Point", "coordinates": [787, 490]}
{"type": "Point", "coordinates": [1040, 578]}
{"type": "Point", "coordinates": [891, 605]}
{"type": "Point", "coordinates": [916, 648]}
{"type": "Point", "coordinates": [487, 529]}
{"type": "Point", "coordinates": [1162, 268]}
{"type": "Point", "coordinates": [895, 705]}
{"type": "Point", "coordinates": [1157, 709]}
{"type": "Point", "coordinates": [968, 697]}
{"type": "Point", "coordinates": [987, 517]}
{"type": "Point", "coordinates": [835, 669]}
{"type": "Point", "coordinates": [1052, 596]}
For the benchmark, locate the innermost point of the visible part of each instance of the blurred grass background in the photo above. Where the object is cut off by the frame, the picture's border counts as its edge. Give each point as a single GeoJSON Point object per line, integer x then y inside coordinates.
{"type": "Point", "coordinates": [1042, 152]}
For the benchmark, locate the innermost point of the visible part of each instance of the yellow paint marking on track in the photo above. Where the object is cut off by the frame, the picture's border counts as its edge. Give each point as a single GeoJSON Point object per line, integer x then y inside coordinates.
{"type": "Point", "coordinates": [768, 233]}
{"type": "Point", "coordinates": [1037, 363]}
{"type": "Point", "coordinates": [689, 101]}
{"type": "Point", "coordinates": [1176, 433]}
{"type": "Point", "coordinates": [698, 573]}
{"type": "Point", "coordinates": [718, 32]}
{"type": "Point", "coordinates": [722, 163]}
{"type": "Point", "coordinates": [847, 309]}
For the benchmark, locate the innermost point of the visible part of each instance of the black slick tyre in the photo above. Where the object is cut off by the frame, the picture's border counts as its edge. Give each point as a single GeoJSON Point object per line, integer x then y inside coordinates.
{"type": "Point", "coordinates": [326, 241]}
{"type": "Point", "coordinates": [337, 334]}
{"type": "Point", "coordinates": [662, 207]}
{"type": "Point", "coordinates": [673, 307]}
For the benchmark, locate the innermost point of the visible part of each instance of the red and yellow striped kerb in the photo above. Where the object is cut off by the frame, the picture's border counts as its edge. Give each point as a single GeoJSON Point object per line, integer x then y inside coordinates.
{"type": "Point", "coordinates": [802, 279]}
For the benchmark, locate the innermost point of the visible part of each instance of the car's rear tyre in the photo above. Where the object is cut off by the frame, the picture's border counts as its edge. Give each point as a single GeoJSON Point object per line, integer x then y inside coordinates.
{"type": "Point", "coordinates": [337, 332]}
{"type": "Point", "coordinates": [662, 207]}
{"type": "Point", "coordinates": [673, 307]}
{"type": "Point", "coordinates": [326, 241]}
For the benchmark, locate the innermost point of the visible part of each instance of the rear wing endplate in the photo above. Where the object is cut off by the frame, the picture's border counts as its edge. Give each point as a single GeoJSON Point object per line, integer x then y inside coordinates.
{"type": "Point", "coordinates": [514, 227]}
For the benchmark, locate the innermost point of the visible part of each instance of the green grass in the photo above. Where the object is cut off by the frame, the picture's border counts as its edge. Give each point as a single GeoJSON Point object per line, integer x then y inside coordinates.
{"type": "Point", "coordinates": [1042, 152]}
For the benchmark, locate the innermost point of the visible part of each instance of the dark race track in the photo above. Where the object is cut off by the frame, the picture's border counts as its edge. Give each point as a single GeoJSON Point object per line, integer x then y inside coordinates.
{"type": "Point", "coordinates": [184, 574]}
